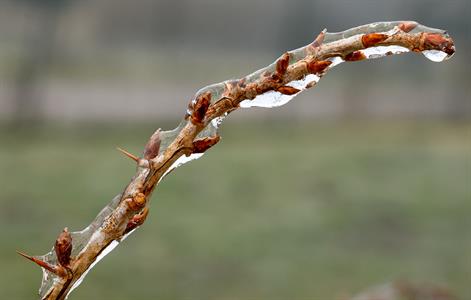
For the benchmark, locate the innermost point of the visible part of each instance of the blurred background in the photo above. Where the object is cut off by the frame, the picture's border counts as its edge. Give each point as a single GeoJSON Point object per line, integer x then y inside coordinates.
{"type": "Point", "coordinates": [365, 179]}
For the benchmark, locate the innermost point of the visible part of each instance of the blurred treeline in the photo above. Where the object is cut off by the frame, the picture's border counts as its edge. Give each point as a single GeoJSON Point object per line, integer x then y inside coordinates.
{"type": "Point", "coordinates": [126, 60]}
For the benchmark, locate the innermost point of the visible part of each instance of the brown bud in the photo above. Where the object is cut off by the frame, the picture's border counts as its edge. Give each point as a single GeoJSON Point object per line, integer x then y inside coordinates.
{"type": "Point", "coordinates": [436, 41]}
{"type": "Point", "coordinates": [137, 220]}
{"type": "Point", "coordinates": [137, 202]}
{"type": "Point", "coordinates": [355, 56]}
{"type": "Point", "coordinates": [63, 247]}
{"type": "Point", "coordinates": [200, 108]}
{"type": "Point", "coordinates": [372, 39]}
{"type": "Point", "coordinates": [241, 83]}
{"type": "Point", "coordinates": [407, 26]}
{"type": "Point", "coordinates": [200, 146]}
{"type": "Point", "coordinates": [282, 64]}
{"type": "Point", "coordinates": [153, 145]}
{"type": "Point", "coordinates": [288, 90]}
{"type": "Point", "coordinates": [318, 66]}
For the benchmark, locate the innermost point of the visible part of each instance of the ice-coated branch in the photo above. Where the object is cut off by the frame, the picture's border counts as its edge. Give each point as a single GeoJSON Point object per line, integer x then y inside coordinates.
{"type": "Point", "coordinates": [75, 253]}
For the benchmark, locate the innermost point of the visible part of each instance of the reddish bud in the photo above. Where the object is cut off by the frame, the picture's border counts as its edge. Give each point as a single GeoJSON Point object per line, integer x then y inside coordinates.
{"type": "Point", "coordinates": [436, 41]}
{"type": "Point", "coordinates": [407, 26]}
{"type": "Point", "coordinates": [137, 220]}
{"type": "Point", "coordinates": [288, 90]}
{"type": "Point", "coordinates": [282, 64]}
{"type": "Point", "coordinates": [355, 56]}
{"type": "Point", "coordinates": [200, 146]}
{"type": "Point", "coordinates": [200, 108]}
{"type": "Point", "coordinates": [63, 248]}
{"type": "Point", "coordinates": [372, 39]}
{"type": "Point", "coordinates": [152, 147]}
{"type": "Point", "coordinates": [318, 66]}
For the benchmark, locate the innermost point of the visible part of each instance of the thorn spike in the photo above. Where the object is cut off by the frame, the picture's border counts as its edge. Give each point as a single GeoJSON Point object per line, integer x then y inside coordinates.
{"type": "Point", "coordinates": [130, 155]}
{"type": "Point", "coordinates": [39, 262]}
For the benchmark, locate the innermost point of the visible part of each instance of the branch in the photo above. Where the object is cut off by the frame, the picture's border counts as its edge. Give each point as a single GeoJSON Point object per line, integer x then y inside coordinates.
{"type": "Point", "coordinates": [275, 85]}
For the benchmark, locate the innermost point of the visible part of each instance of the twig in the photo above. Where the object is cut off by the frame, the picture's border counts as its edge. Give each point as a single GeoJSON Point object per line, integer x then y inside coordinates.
{"type": "Point", "coordinates": [294, 71]}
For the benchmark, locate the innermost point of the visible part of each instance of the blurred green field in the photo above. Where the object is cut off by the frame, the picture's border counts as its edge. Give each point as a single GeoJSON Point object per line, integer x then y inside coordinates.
{"type": "Point", "coordinates": [275, 211]}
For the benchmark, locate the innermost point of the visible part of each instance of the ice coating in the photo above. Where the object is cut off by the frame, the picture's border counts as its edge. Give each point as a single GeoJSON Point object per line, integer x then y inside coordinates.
{"type": "Point", "coordinates": [103, 253]}
{"type": "Point", "coordinates": [261, 96]}
{"type": "Point", "coordinates": [79, 240]}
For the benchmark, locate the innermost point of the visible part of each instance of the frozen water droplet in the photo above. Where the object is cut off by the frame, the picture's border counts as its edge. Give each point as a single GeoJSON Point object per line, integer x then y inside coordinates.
{"type": "Point", "coordinates": [381, 51]}
{"type": "Point", "coordinates": [435, 55]}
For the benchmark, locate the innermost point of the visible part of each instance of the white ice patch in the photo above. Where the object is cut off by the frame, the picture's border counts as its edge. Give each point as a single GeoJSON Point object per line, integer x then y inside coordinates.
{"type": "Point", "coordinates": [275, 99]}
{"type": "Point", "coordinates": [381, 51]}
{"type": "Point", "coordinates": [181, 161]}
{"type": "Point", "coordinates": [435, 55]}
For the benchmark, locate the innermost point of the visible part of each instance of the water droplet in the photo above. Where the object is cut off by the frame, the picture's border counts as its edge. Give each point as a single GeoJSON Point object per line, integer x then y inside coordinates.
{"type": "Point", "coordinates": [435, 55]}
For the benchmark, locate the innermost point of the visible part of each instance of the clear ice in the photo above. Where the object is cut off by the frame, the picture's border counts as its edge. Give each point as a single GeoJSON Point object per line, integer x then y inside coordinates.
{"type": "Point", "coordinates": [268, 99]}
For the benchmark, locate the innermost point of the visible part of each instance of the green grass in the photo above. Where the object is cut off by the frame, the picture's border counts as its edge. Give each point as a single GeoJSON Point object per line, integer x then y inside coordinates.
{"type": "Point", "coordinates": [305, 211]}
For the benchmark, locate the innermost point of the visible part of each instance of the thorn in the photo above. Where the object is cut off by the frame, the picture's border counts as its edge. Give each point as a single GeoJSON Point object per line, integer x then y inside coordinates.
{"type": "Point", "coordinates": [131, 156]}
{"type": "Point", "coordinates": [319, 39]}
{"type": "Point", "coordinates": [39, 262]}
